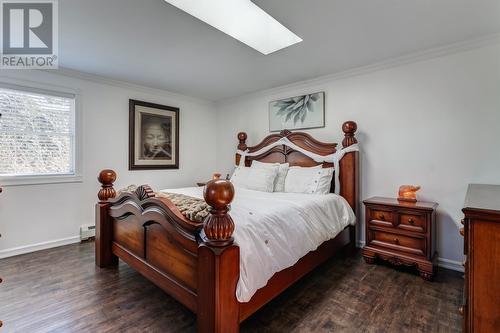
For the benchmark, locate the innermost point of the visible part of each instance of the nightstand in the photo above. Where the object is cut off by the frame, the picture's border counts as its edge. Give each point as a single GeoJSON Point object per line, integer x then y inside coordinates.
{"type": "Point", "coordinates": [403, 233]}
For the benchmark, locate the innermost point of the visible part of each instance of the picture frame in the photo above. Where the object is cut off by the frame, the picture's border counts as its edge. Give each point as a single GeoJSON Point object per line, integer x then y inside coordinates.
{"type": "Point", "coordinates": [298, 112]}
{"type": "Point", "coordinates": [153, 136]}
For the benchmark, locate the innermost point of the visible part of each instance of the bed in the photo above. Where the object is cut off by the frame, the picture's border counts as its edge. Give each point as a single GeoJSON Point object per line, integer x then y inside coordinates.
{"type": "Point", "coordinates": [205, 265]}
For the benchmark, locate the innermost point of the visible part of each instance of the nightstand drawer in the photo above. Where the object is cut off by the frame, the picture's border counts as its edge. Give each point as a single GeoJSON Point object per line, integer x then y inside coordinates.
{"type": "Point", "coordinates": [412, 245]}
{"type": "Point", "coordinates": [380, 217]}
{"type": "Point", "coordinates": [413, 222]}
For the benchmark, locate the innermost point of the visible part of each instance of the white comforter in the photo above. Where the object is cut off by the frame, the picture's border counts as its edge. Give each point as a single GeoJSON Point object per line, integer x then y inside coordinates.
{"type": "Point", "coordinates": [274, 230]}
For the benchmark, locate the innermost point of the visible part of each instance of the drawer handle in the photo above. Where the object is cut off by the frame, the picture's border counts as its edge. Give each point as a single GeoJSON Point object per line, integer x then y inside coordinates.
{"type": "Point", "coordinates": [462, 231]}
{"type": "Point", "coordinates": [396, 241]}
{"type": "Point", "coordinates": [382, 217]}
{"type": "Point", "coordinates": [410, 220]}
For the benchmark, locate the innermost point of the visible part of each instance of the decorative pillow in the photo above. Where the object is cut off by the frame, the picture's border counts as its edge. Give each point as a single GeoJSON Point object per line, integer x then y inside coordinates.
{"type": "Point", "coordinates": [313, 180]}
{"type": "Point", "coordinates": [258, 179]}
{"type": "Point", "coordinates": [279, 182]}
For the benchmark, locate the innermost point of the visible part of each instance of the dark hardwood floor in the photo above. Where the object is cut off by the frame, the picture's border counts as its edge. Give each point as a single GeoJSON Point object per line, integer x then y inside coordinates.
{"type": "Point", "coordinates": [60, 290]}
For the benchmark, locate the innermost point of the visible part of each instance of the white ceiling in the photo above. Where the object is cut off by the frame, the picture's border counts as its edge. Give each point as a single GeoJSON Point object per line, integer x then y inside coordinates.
{"type": "Point", "coordinates": [152, 43]}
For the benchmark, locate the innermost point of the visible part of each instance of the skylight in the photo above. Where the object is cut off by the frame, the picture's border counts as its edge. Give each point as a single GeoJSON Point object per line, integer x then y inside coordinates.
{"type": "Point", "coordinates": [242, 20]}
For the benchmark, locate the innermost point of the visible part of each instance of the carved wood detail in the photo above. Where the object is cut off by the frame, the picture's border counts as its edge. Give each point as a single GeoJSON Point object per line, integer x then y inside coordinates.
{"type": "Point", "coordinates": [369, 260]}
{"type": "Point", "coordinates": [349, 128]}
{"type": "Point", "coordinates": [144, 192]}
{"type": "Point", "coordinates": [218, 225]}
{"type": "Point", "coordinates": [144, 213]}
{"type": "Point", "coordinates": [426, 275]}
{"type": "Point", "coordinates": [283, 154]}
{"type": "Point", "coordinates": [106, 177]}
{"type": "Point", "coordinates": [242, 137]}
{"type": "Point", "coordinates": [301, 139]}
{"type": "Point", "coordinates": [130, 204]}
{"type": "Point", "coordinates": [104, 229]}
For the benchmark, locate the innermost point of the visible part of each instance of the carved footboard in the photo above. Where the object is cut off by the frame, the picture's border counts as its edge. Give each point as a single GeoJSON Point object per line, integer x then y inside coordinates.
{"type": "Point", "coordinates": [194, 262]}
{"type": "Point", "coordinates": [151, 235]}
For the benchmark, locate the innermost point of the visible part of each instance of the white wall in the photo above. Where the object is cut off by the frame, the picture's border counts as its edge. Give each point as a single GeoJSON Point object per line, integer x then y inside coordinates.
{"type": "Point", "coordinates": [46, 213]}
{"type": "Point", "coordinates": [435, 122]}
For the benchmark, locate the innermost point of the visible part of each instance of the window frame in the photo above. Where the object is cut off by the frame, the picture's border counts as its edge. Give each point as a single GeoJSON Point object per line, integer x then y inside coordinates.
{"type": "Point", "coordinates": [48, 89]}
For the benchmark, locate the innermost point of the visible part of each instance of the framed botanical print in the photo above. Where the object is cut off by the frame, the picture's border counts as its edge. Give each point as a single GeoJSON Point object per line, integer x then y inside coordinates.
{"type": "Point", "coordinates": [299, 112]}
{"type": "Point", "coordinates": [153, 136]}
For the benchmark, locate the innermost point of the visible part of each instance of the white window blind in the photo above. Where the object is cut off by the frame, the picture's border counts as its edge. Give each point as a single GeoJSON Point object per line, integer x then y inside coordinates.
{"type": "Point", "coordinates": [37, 133]}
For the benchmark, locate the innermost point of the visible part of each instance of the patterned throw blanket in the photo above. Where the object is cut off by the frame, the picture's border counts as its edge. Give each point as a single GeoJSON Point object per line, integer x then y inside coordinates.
{"type": "Point", "coordinates": [193, 209]}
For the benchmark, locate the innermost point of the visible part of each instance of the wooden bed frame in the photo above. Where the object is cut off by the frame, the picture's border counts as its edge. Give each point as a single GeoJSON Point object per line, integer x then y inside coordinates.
{"type": "Point", "coordinates": [198, 263]}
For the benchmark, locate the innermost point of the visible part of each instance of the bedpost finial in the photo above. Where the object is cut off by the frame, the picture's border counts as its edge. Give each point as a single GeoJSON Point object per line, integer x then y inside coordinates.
{"type": "Point", "coordinates": [106, 177]}
{"type": "Point", "coordinates": [218, 225]}
{"type": "Point", "coordinates": [349, 128]}
{"type": "Point", "coordinates": [242, 138]}
{"type": "Point", "coordinates": [285, 133]}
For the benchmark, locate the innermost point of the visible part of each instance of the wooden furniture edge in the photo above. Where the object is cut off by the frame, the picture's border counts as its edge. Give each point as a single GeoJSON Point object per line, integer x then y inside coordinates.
{"type": "Point", "coordinates": [486, 214]}
{"type": "Point", "coordinates": [418, 205]}
{"type": "Point", "coordinates": [480, 225]}
{"type": "Point", "coordinates": [426, 263]}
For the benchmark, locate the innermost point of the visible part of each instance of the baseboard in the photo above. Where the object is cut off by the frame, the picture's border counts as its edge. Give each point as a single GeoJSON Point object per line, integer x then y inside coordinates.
{"type": "Point", "coordinates": [442, 262]}
{"type": "Point", "coordinates": [37, 247]}
{"type": "Point", "coordinates": [360, 243]}
{"type": "Point", "coordinates": [451, 264]}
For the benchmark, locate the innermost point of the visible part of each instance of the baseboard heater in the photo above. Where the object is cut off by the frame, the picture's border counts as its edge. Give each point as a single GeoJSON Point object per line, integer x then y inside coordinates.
{"type": "Point", "coordinates": [87, 232]}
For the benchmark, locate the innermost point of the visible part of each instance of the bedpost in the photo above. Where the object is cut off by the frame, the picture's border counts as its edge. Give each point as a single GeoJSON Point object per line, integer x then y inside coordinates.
{"type": "Point", "coordinates": [104, 228]}
{"type": "Point", "coordinates": [219, 263]}
{"type": "Point", "coordinates": [242, 138]}
{"type": "Point", "coordinates": [349, 173]}
{"type": "Point", "coordinates": [242, 145]}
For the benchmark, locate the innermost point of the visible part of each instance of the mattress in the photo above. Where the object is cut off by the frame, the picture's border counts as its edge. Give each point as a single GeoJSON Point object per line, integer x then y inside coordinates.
{"type": "Point", "coordinates": [275, 230]}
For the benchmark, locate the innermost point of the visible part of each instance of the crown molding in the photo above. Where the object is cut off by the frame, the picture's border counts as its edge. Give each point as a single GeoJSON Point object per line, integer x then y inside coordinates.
{"type": "Point", "coordinates": [75, 74]}
{"type": "Point", "coordinates": [415, 57]}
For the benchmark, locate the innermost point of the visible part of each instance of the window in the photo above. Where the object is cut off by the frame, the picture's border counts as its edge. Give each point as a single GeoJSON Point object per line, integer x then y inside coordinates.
{"type": "Point", "coordinates": [37, 136]}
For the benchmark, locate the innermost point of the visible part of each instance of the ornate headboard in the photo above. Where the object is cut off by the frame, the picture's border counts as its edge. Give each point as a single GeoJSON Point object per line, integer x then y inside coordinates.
{"type": "Point", "coordinates": [284, 154]}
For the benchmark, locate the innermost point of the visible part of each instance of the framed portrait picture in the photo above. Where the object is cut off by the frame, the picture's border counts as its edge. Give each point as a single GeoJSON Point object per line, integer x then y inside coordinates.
{"type": "Point", "coordinates": [153, 136]}
{"type": "Point", "coordinates": [299, 112]}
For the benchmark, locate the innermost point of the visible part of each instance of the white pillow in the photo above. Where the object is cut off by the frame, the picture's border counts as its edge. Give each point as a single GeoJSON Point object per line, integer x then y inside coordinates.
{"type": "Point", "coordinates": [258, 179]}
{"type": "Point", "coordinates": [279, 182]}
{"type": "Point", "coordinates": [324, 181]}
{"type": "Point", "coordinates": [313, 180]}
{"type": "Point", "coordinates": [240, 175]}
